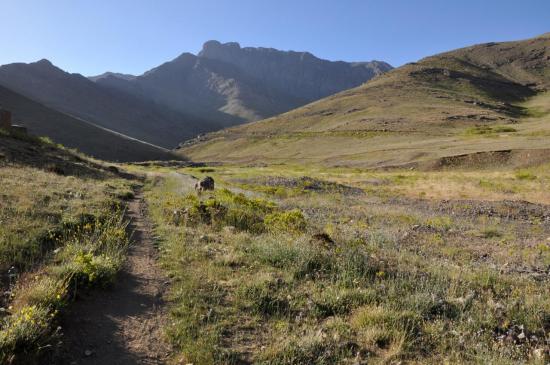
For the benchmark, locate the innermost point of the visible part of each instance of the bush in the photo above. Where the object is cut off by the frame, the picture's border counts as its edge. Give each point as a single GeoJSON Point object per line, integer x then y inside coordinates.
{"type": "Point", "coordinates": [292, 221]}
{"type": "Point", "coordinates": [525, 175]}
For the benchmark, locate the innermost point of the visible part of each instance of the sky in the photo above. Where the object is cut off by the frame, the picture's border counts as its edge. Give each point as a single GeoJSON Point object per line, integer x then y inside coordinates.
{"type": "Point", "coordinates": [132, 36]}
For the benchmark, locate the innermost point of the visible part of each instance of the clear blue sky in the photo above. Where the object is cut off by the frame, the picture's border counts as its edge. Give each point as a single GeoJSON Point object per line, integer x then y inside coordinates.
{"type": "Point", "coordinates": [93, 36]}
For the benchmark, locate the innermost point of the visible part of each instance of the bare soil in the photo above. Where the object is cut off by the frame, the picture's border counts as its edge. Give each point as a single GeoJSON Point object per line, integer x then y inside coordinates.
{"type": "Point", "coordinates": [123, 325]}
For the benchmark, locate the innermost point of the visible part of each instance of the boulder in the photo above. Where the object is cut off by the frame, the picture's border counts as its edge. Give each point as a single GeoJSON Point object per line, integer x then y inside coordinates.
{"type": "Point", "coordinates": [205, 184]}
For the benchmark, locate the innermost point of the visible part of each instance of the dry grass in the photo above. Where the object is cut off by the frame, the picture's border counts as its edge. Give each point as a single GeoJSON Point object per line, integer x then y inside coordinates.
{"type": "Point", "coordinates": [394, 278]}
{"type": "Point", "coordinates": [58, 234]}
{"type": "Point", "coordinates": [461, 102]}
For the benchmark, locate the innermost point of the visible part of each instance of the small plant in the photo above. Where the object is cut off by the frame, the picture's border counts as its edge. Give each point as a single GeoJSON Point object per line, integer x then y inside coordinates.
{"type": "Point", "coordinates": [441, 223]}
{"type": "Point", "coordinates": [292, 221]}
{"type": "Point", "coordinates": [525, 175]}
{"type": "Point", "coordinates": [491, 233]}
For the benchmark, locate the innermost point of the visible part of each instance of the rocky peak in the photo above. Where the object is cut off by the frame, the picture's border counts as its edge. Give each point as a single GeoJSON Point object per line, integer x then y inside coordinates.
{"type": "Point", "coordinates": [220, 51]}
{"type": "Point", "coordinates": [44, 62]}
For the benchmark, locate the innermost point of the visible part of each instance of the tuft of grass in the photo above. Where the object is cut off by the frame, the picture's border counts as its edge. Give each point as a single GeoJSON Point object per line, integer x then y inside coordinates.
{"type": "Point", "coordinates": [525, 175]}
{"type": "Point", "coordinates": [486, 130]}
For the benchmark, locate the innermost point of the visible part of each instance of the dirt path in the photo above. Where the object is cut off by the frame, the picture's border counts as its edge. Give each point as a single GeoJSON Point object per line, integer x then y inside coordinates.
{"type": "Point", "coordinates": [122, 325]}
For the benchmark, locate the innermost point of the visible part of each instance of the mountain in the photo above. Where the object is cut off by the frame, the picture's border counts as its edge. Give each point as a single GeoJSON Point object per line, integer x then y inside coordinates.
{"type": "Point", "coordinates": [480, 98]}
{"type": "Point", "coordinates": [231, 85]}
{"type": "Point", "coordinates": [76, 95]}
{"type": "Point", "coordinates": [76, 133]}
{"type": "Point", "coordinates": [112, 74]}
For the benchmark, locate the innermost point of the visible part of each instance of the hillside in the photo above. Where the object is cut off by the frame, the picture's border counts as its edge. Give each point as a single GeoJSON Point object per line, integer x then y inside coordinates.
{"type": "Point", "coordinates": [76, 95]}
{"type": "Point", "coordinates": [231, 85]}
{"type": "Point", "coordinates": [76, 133]}
{"type": "Point", "coordinates": [481, 98]}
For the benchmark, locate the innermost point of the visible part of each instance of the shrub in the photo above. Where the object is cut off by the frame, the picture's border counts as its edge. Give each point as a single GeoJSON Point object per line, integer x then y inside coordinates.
{"type": "Point", "coordinates": [292, 221]}
{"type": "Point", "coordinates": [525, 175]}
{"type": "Point", "coordinates": [441, 223]}
{"type": "Point", "coordinates": [25, 329]}
{"type": "Point", "coordinates": [88, 269]}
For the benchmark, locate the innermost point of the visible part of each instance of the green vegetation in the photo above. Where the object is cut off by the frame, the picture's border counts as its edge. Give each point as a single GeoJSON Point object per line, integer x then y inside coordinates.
{"type": "Point", "coordinates": [332, 276]}
{"type": "Point", "coordinates": [59, 235]}
{"type": "Point", "coordinates": [489, 130]}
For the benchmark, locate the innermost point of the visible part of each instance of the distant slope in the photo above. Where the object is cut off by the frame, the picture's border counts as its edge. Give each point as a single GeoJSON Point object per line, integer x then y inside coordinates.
{"type": "Point", "coordinates": [231, 85]}
{"type": "Point", "coordinates": [75, 133]}
{"type": "Point", "coordinates": [74, 94]}
{"type": "Point", "coordinates": [464, 101]}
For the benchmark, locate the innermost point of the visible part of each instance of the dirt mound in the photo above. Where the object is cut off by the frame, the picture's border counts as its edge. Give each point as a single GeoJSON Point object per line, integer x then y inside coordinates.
{"type": "Point", "coordinates": [490, 159]}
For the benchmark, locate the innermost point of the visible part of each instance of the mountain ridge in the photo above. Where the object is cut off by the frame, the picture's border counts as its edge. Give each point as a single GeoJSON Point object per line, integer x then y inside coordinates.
{"type": "Point", "coordinates": [437, 101]}
{"type": "Point", "coordinates": [74, 132]}
{"type": "Point", "coordinates": [233, 91]}
{"type": "Point", "coordinates": [77, 95]}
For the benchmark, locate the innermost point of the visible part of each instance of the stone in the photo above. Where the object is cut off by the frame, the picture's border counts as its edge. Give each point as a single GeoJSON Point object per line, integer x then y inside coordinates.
{"type": "Point", "coordinates": [205, 184]}
{"type": "Point", "coordinates": [19, 129]}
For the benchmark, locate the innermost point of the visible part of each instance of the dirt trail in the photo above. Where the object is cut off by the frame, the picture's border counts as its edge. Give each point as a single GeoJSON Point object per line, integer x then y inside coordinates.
{"type": "Point", "coordinates": [122, 325]}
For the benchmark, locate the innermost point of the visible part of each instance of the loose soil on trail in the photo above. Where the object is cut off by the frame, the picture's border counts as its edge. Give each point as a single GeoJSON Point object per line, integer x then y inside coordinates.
{"type": "Point", "coordinates": [122, 325]}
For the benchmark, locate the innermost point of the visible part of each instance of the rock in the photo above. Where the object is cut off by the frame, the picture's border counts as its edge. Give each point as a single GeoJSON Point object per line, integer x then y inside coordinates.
{"type": "Point", "coordinates": [113, 169]}
{"type": "Point", "coordinates": [205, 184]}
{"type": "Point", "coordinates": [19, 129]}
{"type": "Point", "coordinates": [58, 170]}
{"type": "Point", "coordinates": [324, 239]}
{"type": "Point", "coordinates": [88, 353]}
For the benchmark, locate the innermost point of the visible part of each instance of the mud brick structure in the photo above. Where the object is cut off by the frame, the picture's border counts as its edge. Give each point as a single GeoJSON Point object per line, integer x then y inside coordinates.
{"type": "Point", "coordinates": [5, 119]}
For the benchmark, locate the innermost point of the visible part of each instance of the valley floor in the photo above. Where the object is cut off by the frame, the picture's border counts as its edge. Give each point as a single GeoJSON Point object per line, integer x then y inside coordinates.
{"type": "Point", "coordinates": [279, 265]}
{"type": "Point", "coordinates": [289, 265]}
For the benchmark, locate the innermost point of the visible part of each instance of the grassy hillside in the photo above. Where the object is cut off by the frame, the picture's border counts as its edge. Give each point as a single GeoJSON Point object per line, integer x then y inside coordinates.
{"type": "Point", "coordinates": [76, 133]}
{"type": "Point", "coordinates": [62, 232]}
{"type": "Point", "coordinates": [482, 98]}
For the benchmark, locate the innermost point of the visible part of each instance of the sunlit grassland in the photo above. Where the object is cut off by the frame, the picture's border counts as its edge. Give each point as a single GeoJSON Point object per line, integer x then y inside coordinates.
{"type": "Point", "coordinates": [529, 184]}
{"type": "Point", "coordinates": [381, 276]}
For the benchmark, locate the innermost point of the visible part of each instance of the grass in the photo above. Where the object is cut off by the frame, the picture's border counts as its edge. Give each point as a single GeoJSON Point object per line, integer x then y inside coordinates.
{"type": "Point", "coordinates": [389, 280]}
{"type": "Point", "coordinates": [59, 235]}
{"type": "Point", "coordinates": [462, 102]}
{"type": "Point", "coordinates": [486, 130]}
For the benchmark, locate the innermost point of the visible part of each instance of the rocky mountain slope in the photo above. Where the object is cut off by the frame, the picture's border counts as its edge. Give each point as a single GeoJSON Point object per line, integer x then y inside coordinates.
{"type": "Point", "coordinates": [76, 133]}
{"type": "Point", "coordinates": [224, 85]}
{"type": "Point", "coordinates": [230, 85]}
{"type": "Point", "coordinates": [479, 98]}
{"type": "Point", "coordinates": [124, 113]}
